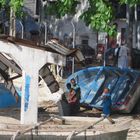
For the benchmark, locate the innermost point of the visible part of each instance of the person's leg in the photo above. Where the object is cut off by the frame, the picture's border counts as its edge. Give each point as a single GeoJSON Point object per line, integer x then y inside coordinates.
{"type": "Point", "coordinates": [64, 108]}
{"type": "Point", "coordinates": [110, 120]}
{"type": "Point", "coordinates": [107, 112]}
{"type": "Point", "coordinates": [75, 108]}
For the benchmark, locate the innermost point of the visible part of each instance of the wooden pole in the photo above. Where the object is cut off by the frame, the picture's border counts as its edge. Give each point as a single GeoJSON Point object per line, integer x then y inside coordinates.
{"type": "Point", "coordinates": [12, 23]}
{"type": "Point", "coordinates": [78, 131]}
{"type": "Point", "coordinates": [20, 133]}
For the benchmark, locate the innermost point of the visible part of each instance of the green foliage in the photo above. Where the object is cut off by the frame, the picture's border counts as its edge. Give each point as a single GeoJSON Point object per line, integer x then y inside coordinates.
{"type": "Point", "coordinates": [98, 16]}
{"type": "Point", "coordinates": [130, 2]}
{"type": "Point", "coordinates": [16, 5]}
{"type": "Point", "coordinates": [62, 7]}
{"type": "Point", "coordinates": [2, 2]}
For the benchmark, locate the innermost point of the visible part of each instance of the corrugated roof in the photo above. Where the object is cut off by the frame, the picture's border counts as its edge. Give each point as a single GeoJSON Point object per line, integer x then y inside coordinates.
{"type": "Point", "coordinates": [52, 45]}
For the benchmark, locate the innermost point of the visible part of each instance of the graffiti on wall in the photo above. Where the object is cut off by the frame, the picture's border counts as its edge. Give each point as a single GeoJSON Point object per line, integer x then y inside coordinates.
{"type": "Point", "coordinates": [27, 92]}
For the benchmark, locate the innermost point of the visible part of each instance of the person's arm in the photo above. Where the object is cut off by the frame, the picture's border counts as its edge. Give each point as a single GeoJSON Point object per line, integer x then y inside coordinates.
{"type": "Point", "coordinates": [72, 96]}
{"type": "Point", "coordinates": [100, 98]}
{"type": "Point", "coordinates": [78, 93]}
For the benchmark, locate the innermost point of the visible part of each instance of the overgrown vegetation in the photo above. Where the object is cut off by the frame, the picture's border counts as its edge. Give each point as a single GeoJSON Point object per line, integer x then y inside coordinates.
{"type": "Point", "coordinates": [99, 14]}
{"type": "Point", "coordinates": [16, 6]}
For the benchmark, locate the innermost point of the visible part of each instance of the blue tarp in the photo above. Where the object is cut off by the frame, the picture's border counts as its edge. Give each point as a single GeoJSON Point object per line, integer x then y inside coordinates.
{"type": "Point", "coordinates": [7, 99]}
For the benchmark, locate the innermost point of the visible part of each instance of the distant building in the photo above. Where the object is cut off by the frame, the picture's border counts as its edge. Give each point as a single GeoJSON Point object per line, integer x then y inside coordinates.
{"type": "Point", "coordinates": [35, 27]}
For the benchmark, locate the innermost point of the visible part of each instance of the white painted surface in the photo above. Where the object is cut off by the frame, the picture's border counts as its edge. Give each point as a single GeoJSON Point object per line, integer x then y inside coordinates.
{"type": "Point", "coordinates": [81, 30]}
{"type": "Point", "coordinates": [138, 36]}
{"type": "Point", "coordinates": [121, 24]}
{"type": "Point", "coordinates": [63, 27]}
{"type": "Point", "coordinates": [29, 98]}
{"type": "Point", "coordinates": [31, 60]}
{"type": "Point", "coordinates": [46, 95]}
{"type": "Point", "coordinates": [23, 53]}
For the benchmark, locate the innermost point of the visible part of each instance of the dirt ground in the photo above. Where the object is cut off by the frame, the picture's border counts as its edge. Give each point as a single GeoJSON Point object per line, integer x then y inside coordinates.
{"type": "Point", "coordinates": [134, 132]}
{"type": "Point", "coordinates": [12, 116]}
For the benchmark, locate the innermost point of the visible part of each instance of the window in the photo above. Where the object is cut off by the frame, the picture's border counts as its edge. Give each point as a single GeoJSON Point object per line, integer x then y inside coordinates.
{"type": "Point", "coordinates": [38, 7]}
{"type": "Point", "coordinates": [84, 40]}
{"type": "Point", "coordinates": [138, 12]}
{"type": "Point", "coordinates": [123, 34]}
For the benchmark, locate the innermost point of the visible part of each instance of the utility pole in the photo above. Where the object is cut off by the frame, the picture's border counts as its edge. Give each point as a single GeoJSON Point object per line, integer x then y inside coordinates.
{"type": "Point", "coordinates": [129, 22]}
{"type": "Point", "coordinates": [136, 27]}
{"type": "Point", "coordinates": [22, 30]}
{"type": "Point", "coordinates": [42, 18]}
{"type": "Point", "coordinates": [73, 45]}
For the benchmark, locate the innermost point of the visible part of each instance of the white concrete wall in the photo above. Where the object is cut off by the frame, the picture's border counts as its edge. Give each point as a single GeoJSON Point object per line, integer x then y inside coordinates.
{"type": "Point", "coordinates": [30, 60]}
{"type": "Point", "coordinates": [138, 36]}
{"type": "Point", "coordinates": [64, 27]}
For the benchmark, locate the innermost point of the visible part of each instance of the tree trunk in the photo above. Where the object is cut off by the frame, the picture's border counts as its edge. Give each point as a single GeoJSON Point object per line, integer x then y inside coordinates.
{"type": "Point", "coordinates": [12, 23]}
{"type": "Point", "coordinates": [129, 33]}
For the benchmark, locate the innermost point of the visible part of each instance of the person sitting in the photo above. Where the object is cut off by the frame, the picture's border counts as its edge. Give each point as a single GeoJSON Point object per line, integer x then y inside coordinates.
{"type": "Point", "coordinates": [76, 87]}
{"type": "Point", "coordinates": [72, 99]}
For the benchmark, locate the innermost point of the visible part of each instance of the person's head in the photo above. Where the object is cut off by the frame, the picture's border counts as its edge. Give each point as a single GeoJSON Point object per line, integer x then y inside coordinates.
{"type": "Point", "coordinates": [123, 42]}
{"type": "Point", "coordinates": [73, 82]}
{"type": "Point", "coordinates": [106, 90]}
{"type": "Point", "coordinates": [117, 45]}
{"type": "Point", "coordinates": [68, 86]}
